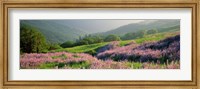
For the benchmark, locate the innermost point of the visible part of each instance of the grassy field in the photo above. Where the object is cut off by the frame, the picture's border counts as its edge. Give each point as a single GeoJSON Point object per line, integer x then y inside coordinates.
{"type": "Point", "coordinates": [86, 56]}
{"type": "Point", "coordinates": [100, 44]}
{"type": "Point", "coordinates": [92, 48]}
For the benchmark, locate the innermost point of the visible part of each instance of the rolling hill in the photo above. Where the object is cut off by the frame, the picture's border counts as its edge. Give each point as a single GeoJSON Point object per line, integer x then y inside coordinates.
{"type": "Point", "coordinates": [160, 25]}
{"type": "Point", "coordinates": [53, 31]}
{"type": "Point", "coordinates": [59, 31]}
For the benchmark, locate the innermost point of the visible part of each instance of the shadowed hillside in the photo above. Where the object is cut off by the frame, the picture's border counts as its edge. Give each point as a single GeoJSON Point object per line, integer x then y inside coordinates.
{"type": "Point", "coordinates": [53, 31]}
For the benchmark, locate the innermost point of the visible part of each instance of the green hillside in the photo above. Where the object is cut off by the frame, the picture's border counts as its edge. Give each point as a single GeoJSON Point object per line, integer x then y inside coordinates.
{"type": "Point", "coordinates": [92, 48]}
{"type": "Point", "coordinates": [160, 25]}
{"type": "Point", "coordinates": [53, 31]}
{"type": "Point", "coordinates": [58, 32]}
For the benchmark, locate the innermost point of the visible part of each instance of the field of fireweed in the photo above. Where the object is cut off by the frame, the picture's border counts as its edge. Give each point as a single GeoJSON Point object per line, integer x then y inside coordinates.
{"type": "Point", "coordinates": [163, 54]}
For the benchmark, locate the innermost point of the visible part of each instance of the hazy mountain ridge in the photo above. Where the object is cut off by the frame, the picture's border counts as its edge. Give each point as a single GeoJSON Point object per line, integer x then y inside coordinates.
{"type": "Point", "coordinates": [54, 32]}
{"type": "Point", "coordinates": [145, 25]}
{"type": "Point", "coordinates": [96, 25]}
{"type": "Point", "coordinates": [59, 31]}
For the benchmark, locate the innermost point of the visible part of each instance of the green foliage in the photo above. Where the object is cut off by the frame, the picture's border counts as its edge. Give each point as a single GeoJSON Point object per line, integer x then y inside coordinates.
{"type": "Point", "coordinates": [152, 31]}
{"type": "Point", "coordinates": [63, 56]}
{"type": "Point", "coordinates": [31, 41]}
{"type": "Point", "coordinates": [89, 39]}
{"type": "Point", "coordinates": [149, 38]}
{"type": "Point", "coordinates": [85, 48]}
{"type": "Point", "coordinates": [134, 65]}
{"type": "Point", "coordinates": [134, 35]}
{"type": "Point", "coordinates": [155, 37]}
{"type": "Point", "coordinates": [47, 65]}
{"type": "Point", "coordinates": [54, 31]}
{"type": "Point", "coordinates": [141, 33]}
{"type": "Point", "coordinates": [67, 44]}
{"type": "Point", "coordinates": [82, 42]}
{"type": "Point", "coordinates": [92, 52]}
{"type": "Point", "coordinates": [112, 38]}
{"type": "Point", "coordinates": [60, 65]}
{"type": "Point", "coordinates": [170, 29]}
{"type": "Point", "coordinates": [123, 43]}
{"type": "Point", "coordinates": [81, 65]}
{"type": "Point", "coordinates": [54, 46]}
{"type": "Point", "coordinates": [129, 36]}
{"type": "Point", "coordinates": [92, 48]}
{"type": "Point", "coordinates": [73, 65]}
{"type": "Point", "coordinates": [51, 65]}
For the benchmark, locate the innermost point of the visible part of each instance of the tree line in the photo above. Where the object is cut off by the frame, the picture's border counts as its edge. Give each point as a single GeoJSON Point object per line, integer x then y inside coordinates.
{"type": "Point", "coordinates": [92, 39]}
{"type": "Point", "coordinates": [32, 41]}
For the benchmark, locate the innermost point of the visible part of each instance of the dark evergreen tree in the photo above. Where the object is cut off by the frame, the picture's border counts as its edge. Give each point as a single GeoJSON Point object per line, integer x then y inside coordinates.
{"type": "Point", "coordinates": [31, 41]}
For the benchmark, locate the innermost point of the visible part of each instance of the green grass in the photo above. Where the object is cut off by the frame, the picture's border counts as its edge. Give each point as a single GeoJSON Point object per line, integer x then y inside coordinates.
{"type": "Point", "coordinates": [73, 65]}
{"type": "Point", "coordinates": [92, 48]}
{"type": "Point", "coordinates": [83, 48]}
{"type": "Point", "coordinates": [81, 65]}
{"type": "Point", "coordinates": [149, 38]}
{"type": "Point", "coordinates": [152, 37]}
{"type": "Point", "coordinates": [155, 37]}
{"type": "Point", "coordinates": [123, 43]}
{"type": "Point", "coordinates": [134, 65]}
{"type": "Point", "coordinates": [63, 56]}
{"type": "Point", "coordinates": [47, 65]}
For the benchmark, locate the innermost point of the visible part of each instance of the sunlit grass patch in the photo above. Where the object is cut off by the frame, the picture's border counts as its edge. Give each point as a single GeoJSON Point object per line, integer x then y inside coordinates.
{"type": "Point", "coordinates": [155, 37]}
{"type": "Point", "coordinates": [134, 65]}
{"type": "Point", "coordinates": [63, 56]}
{"type": "Point", "coordinates": [48, 65]}
{"type": "Point", "coordinates": [78, 65]}
{"type": "Point", "coordinates": [70, 65]}
{"type": "Point", "coordinates": [123, 43]}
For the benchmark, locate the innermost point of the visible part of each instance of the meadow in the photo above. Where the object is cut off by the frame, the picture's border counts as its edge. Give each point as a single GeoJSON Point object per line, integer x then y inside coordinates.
{"type": "Point", "coordinates": [152, 51]}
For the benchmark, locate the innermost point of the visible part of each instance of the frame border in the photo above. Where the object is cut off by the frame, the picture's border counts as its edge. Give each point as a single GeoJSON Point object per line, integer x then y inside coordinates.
{"type": "Point", "coordinates": [195, 61]}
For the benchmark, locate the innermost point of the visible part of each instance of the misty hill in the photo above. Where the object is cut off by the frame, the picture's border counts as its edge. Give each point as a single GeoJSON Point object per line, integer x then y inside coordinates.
{"type": "Point", "coordinates": [160, 25]}
{"type": "Point", "coordinates": [96, 25]}
{"type": "Point", "coordinates": [54, 31]}
{"type": "Point", "coordinates": [59, 31]}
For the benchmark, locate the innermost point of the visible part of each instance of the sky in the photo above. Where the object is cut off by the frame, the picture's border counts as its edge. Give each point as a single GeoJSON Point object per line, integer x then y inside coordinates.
{"type": "Point", "coordinates": [94, 26]}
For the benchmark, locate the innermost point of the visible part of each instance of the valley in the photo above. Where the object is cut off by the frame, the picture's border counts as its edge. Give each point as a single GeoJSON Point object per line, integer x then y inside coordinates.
{"type": "Point", "coordinates": [142, 45]}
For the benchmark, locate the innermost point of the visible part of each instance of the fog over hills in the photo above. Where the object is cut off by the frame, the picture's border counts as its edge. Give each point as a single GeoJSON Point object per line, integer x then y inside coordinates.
{"type": "Point", "coordinates": [96, 25]}
{"type": "Point", "coordinates": [144, 25]}
{"type": "Point", "coordinates": [59, 31]}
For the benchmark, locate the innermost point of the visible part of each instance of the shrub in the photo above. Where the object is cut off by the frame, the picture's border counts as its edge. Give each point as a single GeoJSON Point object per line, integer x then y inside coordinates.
{"type": "Point", "coordinates": [54, 47]}
{"type": "Point", "coordinates": [112, 38]}
{"type": "Point", "coordinates": [152, 31]}
{"type": "Point", "coordinates": [67, 44]}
